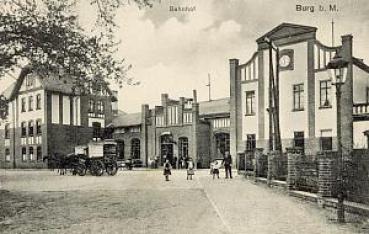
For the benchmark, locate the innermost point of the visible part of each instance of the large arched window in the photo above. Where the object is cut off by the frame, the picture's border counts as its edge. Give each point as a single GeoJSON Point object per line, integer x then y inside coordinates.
{"type": "Point", "coordinates": [183, 147]}
{"type": "Point", "coordinates": [135, 148]}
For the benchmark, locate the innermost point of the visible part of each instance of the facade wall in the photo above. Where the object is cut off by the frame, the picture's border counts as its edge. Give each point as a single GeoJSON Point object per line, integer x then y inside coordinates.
{"type": "Point", "coordinates": [59, 116]}
{"type": "Point", "coordinates": [308, 68]}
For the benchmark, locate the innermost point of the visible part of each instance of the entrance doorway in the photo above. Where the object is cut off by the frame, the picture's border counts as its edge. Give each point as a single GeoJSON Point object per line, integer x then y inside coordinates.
{"type": "Point", "coordinates": [222, 144]}
{"type": "Point", "coordinates": [166, 148]}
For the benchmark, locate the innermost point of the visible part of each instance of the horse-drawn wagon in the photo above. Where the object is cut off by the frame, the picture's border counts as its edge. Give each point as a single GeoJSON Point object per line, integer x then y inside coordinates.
{"type": "Point", "coordinates": [95, 157]}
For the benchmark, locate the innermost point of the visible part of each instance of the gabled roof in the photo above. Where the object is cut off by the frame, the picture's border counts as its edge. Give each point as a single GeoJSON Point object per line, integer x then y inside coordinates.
{"type": "Point", "coordinates": [213, 107]}
{"type": "Point", "coordinates": [125, 120]}
{"type": "Point", "coordinates": [286, 30]}
{"type": "Point", "coordinates": [51, 83]}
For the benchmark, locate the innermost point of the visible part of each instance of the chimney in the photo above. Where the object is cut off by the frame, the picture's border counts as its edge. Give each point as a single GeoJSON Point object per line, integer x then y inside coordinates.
{"type": "Point", "coordinates": [194, 96]}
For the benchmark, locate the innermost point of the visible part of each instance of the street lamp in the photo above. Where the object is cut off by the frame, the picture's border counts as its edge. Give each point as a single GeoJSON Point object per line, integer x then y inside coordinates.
{"type": "Point", "coordinates": [337, 70]}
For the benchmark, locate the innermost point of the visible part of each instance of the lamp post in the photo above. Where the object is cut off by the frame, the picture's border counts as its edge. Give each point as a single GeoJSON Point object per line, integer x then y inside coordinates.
{"type": "Point", "coordinates": [337, 70]}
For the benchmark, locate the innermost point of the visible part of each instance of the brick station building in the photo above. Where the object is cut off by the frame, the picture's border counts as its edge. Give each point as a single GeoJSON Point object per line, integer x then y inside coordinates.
{"type": "Point", "coordinates": [47, 116]}
{"type": "Point", "coordinates": [176, 129]}
{"type": "Point", "coordinates": [307, 98]}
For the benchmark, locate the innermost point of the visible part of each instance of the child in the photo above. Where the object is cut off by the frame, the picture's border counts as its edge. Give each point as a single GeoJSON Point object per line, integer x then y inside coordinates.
{"type": "Point", "coordinates": [167, 168]}
{"type": "Point", "coordinates": [190, 171]}
{"type": "Point", "coordinates": [216, 167]}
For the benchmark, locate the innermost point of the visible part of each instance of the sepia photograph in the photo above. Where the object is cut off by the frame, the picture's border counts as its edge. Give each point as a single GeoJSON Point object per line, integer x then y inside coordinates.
{"type": "Point", "coordinates": [184, 116]}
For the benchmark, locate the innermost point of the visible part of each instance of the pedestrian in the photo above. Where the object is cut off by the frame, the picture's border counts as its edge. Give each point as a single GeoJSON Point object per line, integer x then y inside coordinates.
{"type": "Point", "coordinates": [175, 164]}
{"type": "Point", "coordinates": [167, 170]}
{"type": "Point", "coordinates": [227, 161]}
{"type": "Point", "coordinates": [216, 167]}
{"type": "Point", "coordinates": [190, 169]}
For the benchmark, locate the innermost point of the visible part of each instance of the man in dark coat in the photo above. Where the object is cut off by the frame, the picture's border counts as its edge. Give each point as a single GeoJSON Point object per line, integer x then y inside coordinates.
{"type": "Point", "coordinates": [227, 161]}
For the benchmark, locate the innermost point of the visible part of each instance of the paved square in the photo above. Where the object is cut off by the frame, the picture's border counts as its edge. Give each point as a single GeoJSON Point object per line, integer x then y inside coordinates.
{"type": "Point", "coordinates": [142, 202]}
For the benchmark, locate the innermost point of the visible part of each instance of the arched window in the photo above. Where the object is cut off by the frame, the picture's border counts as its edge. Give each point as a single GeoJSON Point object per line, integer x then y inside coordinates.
{"type": "Point", "coordinates": [135, 148]}
{"type": "Point", "coordinates": [183, 147]}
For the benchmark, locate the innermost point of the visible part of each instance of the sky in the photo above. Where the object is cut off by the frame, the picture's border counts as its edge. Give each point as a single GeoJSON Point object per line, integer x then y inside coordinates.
{"type": "Point", "coordinates": [173, 52]}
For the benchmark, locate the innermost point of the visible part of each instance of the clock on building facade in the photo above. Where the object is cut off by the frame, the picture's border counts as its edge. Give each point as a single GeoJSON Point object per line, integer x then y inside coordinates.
{"type": "Point", "coordinates": [286, 59]}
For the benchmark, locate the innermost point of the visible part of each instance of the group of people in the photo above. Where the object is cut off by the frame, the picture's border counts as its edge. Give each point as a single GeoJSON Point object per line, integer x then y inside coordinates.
{"type": "Point", "coordinates": [227, 162]}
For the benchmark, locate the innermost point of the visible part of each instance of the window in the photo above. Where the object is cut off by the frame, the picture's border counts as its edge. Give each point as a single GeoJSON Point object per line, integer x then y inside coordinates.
{"type": "Point", "coordinates": [24, 154]}
{"type": "Point", "coordinates": [29, 81]}
{"type": "Point", "coordinates": [298, 140]}
{"type": "Point", "coordinates": [24, 129]}
{"type": "Point", "coordinates": [221, 123]}
{"type": "Point", "coordinates": [326, 139]}
{"type": "Point", "coordinates": [250, 103]}
{"type": "Point", "coordinates": [7, 155]}
{"type": "Point", "coordinates": [298, 97]}
{"type": "Point", "coordinates": [38, 127]}
{"type": "Point", "coordinates": [172, 115]}
{"type": "Point", "coordinates": [30, 103]}
{"type": "Point", "coordinates": [250, 141]}
{"type": "Point", "coordinates": [135, 148]}
{"type": "Point", "coordinates": [159, 121]}
{"type": "Point", "coordinates": [183, 147]}
{"type": "Point", "coordinates": [120, 149]}
{"type": "Point", "coordinates": [39, 153]}
{"type": "Point", "coordinates": [187, 117]}
{"type": "Point", "coordinates": [367, 94]}
{"type": "Point", "coordinates": [23, 100]}
{"type": "Point", "coordinates": [96, 129]}
{"type": "Point", "coordinates": [38, 102]}
{"type": "Point", "coordinates": [7, 131]}
{"type": "Point", "coordinates": [30, 128]}
{"type": "Point", "coordinates": [91, 105]}
{"type": "Point", "coordinates": [100, 106]}
{"type": "Point", "coordinates": [325, 93]}
{"type": "Point", "coordinates": [30, 153]}
{"type": "Point", "coordinates": [135, 129]}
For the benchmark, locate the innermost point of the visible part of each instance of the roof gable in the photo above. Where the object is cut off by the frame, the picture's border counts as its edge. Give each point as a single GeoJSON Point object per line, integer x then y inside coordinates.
{"type": "Point", "coordinates": [286, 30]}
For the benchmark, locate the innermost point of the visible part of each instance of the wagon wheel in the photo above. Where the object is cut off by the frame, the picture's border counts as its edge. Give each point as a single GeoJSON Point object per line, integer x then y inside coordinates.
{"type": "Point", "coordinates": [81, 170]}
{"type": "Point", "coordinates": [97, 168]}
{"type": "Point", "coordinates": [112, 168]}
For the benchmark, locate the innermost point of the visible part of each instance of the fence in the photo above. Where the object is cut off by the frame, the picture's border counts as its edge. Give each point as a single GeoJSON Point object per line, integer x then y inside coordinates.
{"type": "Point", "coordinates": [357, 172]}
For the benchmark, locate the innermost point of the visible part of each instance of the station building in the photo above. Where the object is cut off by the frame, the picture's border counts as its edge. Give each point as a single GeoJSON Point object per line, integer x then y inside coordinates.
{"type": "Point", "coordinates": [176, 129]}
{"type": "Point", "coordinates": [46, 116]}
{"type": "Point", "coordinates": [307, 100]}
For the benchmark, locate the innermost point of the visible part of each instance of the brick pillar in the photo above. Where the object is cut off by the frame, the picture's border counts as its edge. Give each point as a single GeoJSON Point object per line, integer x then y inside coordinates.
{"type": "Point", "coordinates": [271, 167]}
{"type": "Point", "coordinates": [293, 170]}
{"type": "Point", "coordinates": [326, 174]}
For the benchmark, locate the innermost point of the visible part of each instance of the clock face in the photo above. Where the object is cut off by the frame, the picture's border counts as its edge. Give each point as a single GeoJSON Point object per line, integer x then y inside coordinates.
{"type": "Point", "coordinates": [284, 61]}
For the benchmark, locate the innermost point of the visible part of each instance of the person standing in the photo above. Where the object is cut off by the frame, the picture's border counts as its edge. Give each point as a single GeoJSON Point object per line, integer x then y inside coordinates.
{"type": "Point", "coordinates": [227, 161]}
{"type": "Point", "coordinates": [167, 170]}
{"type": "Point", "coordinates": [216, 167]}
{"type": "Point", "coordinates": [190, 169]}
